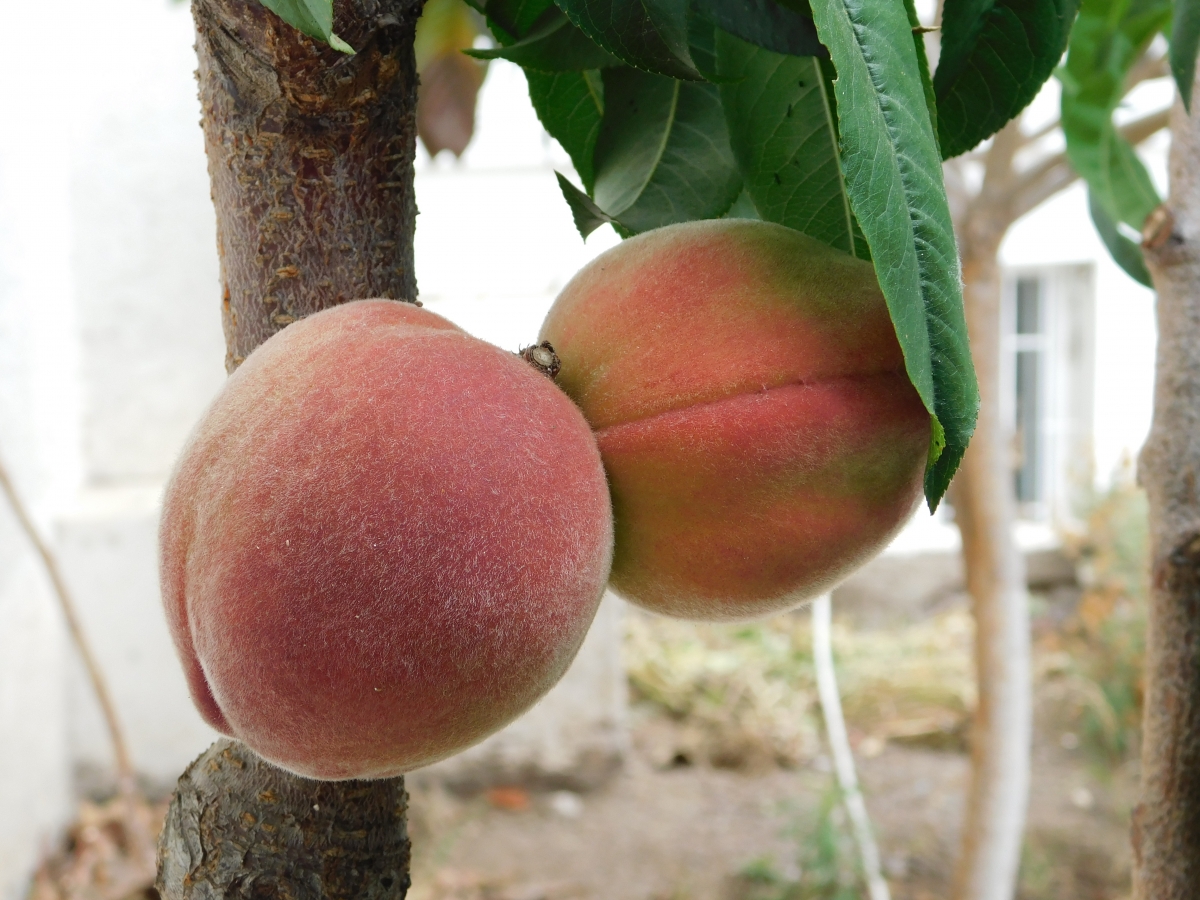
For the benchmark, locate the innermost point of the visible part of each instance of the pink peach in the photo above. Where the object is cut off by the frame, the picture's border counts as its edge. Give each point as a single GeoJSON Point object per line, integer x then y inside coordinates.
{"type": "Point", "coordinates": [384, 541]}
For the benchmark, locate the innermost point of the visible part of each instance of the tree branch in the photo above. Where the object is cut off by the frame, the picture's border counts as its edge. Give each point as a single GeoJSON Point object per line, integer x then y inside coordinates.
{"type": "Point", "coordinates": [241, 829]}
{"type": "Point", "coordinates": [839, 747]}
{"type": "Point", "coordinates": [1147, 68]}
{"type": "Point", "coordinates": [1166, 821]}
{"type": "Point", "coordinates": [125, 775]}
{"type": "Point", "coordinates": [1051, 176]}
{"type": "Point", "coordinates": [1054, 173]}
{"type": "Point", "coordinates": [1146, 127]}
{"type": "Point", "coordinates": [1035, 136]}
{"type": "Point", "coordinates": [310, 161]}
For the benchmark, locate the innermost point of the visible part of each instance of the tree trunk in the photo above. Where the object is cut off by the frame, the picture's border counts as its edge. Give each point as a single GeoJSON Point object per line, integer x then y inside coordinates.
{"type": "Point", "coordinates": [241, 829]}
{"type": "Point", "coordinates": [310, 156]}
{"type": "Point", "coordinates": [984, 509]}
{"type": "Point", "coordinates": [1166, 822]}
{"type": "Point", "coordinates": [310, 153]}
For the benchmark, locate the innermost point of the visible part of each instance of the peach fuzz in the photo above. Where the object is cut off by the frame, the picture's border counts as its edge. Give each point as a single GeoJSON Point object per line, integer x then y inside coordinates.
{"type": "Point", "coordinates": [750, 401]}
{"type": "Point", "coordinates": [384, 541]}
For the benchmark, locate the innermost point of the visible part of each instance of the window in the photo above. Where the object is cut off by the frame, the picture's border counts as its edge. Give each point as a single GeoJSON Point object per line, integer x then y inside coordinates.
{"type": "Point", "coordinates": [1046, 369]}
{"type": "Point", "coordinates": [1030, 348]}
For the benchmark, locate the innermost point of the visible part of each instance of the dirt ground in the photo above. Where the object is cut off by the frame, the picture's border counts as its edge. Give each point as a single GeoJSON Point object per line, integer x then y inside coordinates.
{"type": "Point", "coordinates": [726, 796]}
{"type": "Point", "coordinates": [726, 793]}
{"type": "Point", "coordinates": [695, 831]}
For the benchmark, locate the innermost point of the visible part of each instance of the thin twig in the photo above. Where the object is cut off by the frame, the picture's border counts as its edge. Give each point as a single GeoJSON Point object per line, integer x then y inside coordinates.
{"type": "Point", "coordinates": [126, 783]}
{"type": "Point", "coordinates": [839, 746]}
{"type": "Point", "coordinates": [1150, 66]}
{"type": "Point", "coordinates": [1034, 136]}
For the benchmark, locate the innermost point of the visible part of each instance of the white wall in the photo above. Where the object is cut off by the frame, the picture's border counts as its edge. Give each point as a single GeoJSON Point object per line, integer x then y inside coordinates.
{"type": "Point", "coordinates": [111, 346]}
{"type": "Point", "coordinates": [37, 428]}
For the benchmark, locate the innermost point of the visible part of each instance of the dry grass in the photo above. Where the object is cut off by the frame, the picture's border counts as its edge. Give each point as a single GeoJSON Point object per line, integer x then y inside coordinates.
{"type": "Point", "coordinates": [742, 695]}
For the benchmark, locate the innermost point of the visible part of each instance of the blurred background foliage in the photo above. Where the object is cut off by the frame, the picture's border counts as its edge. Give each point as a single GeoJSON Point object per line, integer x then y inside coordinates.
{"type": "Point", "coordinates": [826, 866]}
{"type": "Point", "coordinates": [450, 80]}
{"type": "Point", "coordinates": [1098, 650]}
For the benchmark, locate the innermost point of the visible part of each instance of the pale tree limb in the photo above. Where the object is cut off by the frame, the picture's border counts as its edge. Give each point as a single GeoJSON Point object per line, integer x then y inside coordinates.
{"type": "Point", "coordinates": [985, 512]}
{"type": "Point", "coordinates": [1044, 181]}
{"type": "Point", "coordinates": [1149, 67]}
{"type": "Point", "coordinates": [839, 748]}
{"type": "Point", "coordinates": [1046, 130]}
{"type": "Point", "coordinates": [1054, 173]}
{"type": "Point", "coordinates": [1146, 127]}
{"type": "Point", "coordinates": [125, 772]}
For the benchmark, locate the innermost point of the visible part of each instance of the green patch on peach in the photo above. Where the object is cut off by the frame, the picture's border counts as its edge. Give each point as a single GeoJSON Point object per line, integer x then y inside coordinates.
{"type": "Point", "coordinates": [759, 432]}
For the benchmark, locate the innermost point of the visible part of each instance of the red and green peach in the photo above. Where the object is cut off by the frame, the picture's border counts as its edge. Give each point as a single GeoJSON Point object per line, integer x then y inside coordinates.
{"type": "Point", "coordinates": [749, 397]}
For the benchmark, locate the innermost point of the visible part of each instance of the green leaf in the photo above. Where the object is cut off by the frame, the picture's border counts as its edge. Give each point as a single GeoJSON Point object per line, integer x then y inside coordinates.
{"type": "Point", "coordinates": [587, 215]}
{"type": "Point", "coordinates": [570, 106]}
{"type": "Point", "coordinates": [1185, 41]}
{"type": "Point", "coordinates": [312, 17]}
{"type": "Point", "coordinates": [918, 34]}
{"type": "Point", "coordinates": [670, 19]}
{"type": "Point", "coordinates": [743, 208]}
{"type": "Point", "coordinates": [765, 24]}
{"type": "Point", "coordinates": [893, 177]}
{"type": "Point", "coordinates": [702, 42]}
{"type": "Point", "coordinates": [783, 130]}
{"type": "Point", "coordinates": [554, 45]}
{"type": "Point", "coordinates": [1109, 37]}
{"type": "Point", "coordinates": [996, 54]}
{"type": "Point", "coordinates": [511, 20]}
{"type": "Point", "coordinates": [1126, 253]}
{"type": "Point", "coordinates": [646, 34]}
{"type": "Point", "coordinates": [663, 153]}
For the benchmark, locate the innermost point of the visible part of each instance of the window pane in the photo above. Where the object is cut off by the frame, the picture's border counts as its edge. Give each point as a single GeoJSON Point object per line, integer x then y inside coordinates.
{"type": "Point", "coordinates": [1029, 313]}
{"type": "Point", "coordinates": [1029, 437]}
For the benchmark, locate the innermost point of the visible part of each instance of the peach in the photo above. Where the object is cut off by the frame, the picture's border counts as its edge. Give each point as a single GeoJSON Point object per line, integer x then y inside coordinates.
{"type": "Point", "coordinates": [384, 541]}
{"type": "Point", "coordinates": [750, 401]}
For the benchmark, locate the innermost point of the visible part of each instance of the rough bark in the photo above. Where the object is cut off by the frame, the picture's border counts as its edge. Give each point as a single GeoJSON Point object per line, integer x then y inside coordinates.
{"type": "Point", "coordinates": [310, 153]}
{"type": "Point", "coordinates": [1166, 821]}
{"type": "Point", "coordinates": [985, 511]}
{"type": "Point", "coordinates": [240, 828]}
{"type": "Point", "coordinates": [310, 156]}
